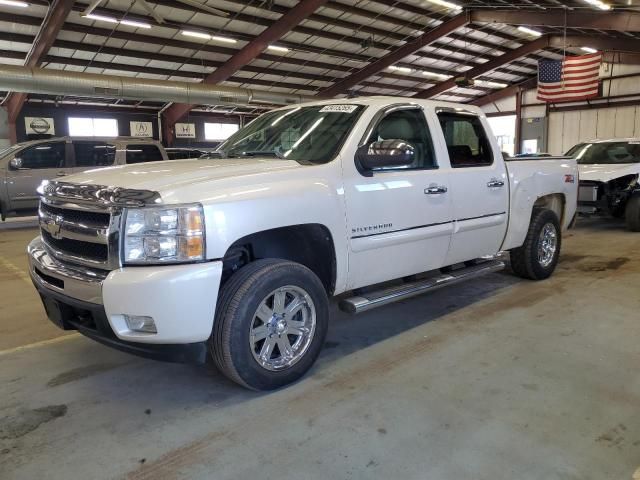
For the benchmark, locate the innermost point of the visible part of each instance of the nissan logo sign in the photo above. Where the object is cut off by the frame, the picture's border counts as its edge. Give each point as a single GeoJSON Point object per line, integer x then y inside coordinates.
{"type": "Point", "coordinates": [39, 125]}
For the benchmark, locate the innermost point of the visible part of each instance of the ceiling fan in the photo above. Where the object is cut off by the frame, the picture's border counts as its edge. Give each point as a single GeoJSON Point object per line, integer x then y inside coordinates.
{"type": "Point", "coordinates": [157, 17]}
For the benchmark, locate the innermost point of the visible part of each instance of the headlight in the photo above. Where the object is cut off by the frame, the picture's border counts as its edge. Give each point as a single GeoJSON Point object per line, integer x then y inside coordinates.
{"type": "Point", "coordinates": [164, 235]}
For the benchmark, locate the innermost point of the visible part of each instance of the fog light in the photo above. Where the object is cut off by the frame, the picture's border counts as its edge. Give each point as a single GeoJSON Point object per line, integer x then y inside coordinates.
{"type": "Point", "coordinates": [140, 323]}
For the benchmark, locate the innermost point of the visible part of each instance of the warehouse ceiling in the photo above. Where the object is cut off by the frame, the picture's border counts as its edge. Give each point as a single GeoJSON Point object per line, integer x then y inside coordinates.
{"type": "Point", "coordinates": [188, 40]}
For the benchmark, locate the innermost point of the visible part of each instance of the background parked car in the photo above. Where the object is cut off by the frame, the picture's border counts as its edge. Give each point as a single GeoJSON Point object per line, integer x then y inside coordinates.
{"type": "Point", "coordinates": [609, 172]}
{"type": "Point", "coordinates": [25, 165]}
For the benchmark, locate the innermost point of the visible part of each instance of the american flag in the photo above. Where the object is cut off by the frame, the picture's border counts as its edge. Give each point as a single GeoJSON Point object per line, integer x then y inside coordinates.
{"type": "Point", "coordinates": [571, 79]}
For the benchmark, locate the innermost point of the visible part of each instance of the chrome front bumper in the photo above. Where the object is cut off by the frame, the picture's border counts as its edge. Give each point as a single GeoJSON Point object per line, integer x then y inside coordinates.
{"type": "Point", "coordinates": [80, 283]}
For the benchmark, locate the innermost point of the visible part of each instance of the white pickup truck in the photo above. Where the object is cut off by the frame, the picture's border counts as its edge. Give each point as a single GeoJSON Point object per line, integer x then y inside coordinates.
{"type": "Point", "coordinates": [374, 199]}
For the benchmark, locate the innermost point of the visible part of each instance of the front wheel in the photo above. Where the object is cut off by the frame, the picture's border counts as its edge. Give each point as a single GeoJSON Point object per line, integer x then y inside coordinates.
{"type": "Point", "coordinates": [270, 324]}
{"type": "Point", "coordinates": [632, 214]}
{"type": "Point", "coordinates": [537, 258]}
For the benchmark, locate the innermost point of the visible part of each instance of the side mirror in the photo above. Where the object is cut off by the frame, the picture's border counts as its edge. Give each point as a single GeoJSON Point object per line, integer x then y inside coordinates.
{"type": "Point", "coordinates": [386, 154]}
{"type": "Point", "coordinates": [15, 164]}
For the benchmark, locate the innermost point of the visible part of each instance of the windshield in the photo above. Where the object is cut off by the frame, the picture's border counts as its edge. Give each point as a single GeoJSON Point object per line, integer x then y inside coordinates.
{"type": "Point", "coordinates": [606, 152]}
{"type": "Point", "coordinates": [305, 134]}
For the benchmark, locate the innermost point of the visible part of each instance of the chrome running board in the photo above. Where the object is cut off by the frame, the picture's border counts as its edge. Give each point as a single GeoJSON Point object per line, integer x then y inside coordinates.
{"type": "Point", "coordinates": [384, 296]}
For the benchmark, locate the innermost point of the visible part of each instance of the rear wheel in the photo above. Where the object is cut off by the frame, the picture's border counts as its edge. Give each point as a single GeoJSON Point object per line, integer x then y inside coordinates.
{"type": "Point", "coordinates": [270, 324]}
{"type": "Point", "coordinates": [537, 258]}
{"type": "Point", "coordinates": [632, 214]}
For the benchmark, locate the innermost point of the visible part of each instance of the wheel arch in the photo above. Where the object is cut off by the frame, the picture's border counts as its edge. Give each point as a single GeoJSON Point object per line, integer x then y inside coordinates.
{"type": "Point", "coordinates": [522, 212]}
{"type": "Point", "coordinates": [310, 244]}
{"type": "Point", "coordinates": [556, 202]}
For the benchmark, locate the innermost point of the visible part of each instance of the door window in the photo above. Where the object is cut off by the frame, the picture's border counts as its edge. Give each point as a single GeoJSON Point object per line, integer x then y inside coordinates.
{"type": "Point", "coordinates": [44, 155]}
{"type": "Point", "coordinates": [408, 125]}
{"type": "Point", "coordinates": [94, 154]}
{"type": "Point", "coordinates": [466, 139]}
{"type": "Point", "coordinates": [143, 153]}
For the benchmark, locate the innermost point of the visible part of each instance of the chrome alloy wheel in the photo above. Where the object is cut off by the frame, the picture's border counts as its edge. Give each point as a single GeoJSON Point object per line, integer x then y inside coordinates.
{"type": "Point", "coordinates": [547, 245]}
{"type": "Point", "coordinates": [282, 328]}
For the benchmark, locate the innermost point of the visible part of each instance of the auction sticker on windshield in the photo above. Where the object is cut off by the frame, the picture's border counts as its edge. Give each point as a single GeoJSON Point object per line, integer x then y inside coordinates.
{"type": "Point", "coordinates": [339, 108]}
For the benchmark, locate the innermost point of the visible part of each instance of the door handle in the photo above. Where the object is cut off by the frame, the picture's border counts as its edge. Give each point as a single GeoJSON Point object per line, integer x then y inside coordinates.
{"type": "Point", "coordinates": [61, 174]}
{"type": "Point", "coordinates": [435, 190]}
{"type": "Point", "coordinates": [494, 182]}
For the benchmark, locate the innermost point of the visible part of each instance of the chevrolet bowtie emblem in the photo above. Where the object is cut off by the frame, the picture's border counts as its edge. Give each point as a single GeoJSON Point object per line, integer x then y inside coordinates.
{"type": "Point", "coordinates": [53, 225]}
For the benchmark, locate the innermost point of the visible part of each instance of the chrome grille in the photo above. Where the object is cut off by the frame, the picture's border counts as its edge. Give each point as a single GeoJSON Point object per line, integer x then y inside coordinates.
{"type": "Point", "coordinates": [81, 237]}
{"type": "Point", "coordinates": [80, 224]}
{"type": "Point", "coordinates": [97, 219]}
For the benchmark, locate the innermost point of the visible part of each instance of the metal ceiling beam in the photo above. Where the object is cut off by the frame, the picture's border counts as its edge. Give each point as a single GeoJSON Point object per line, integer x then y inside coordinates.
{"type": "Point", "coordinates": [421, 12]}
{"type": "Point", "coordinates": [475, 59]}
{"type": "Point", "coordinates": [622, 57]}
{"type": "Point", "coordinates": [407, 49]}
{"type": "Point", "coordinates": [147, 56]}
{"type": "Point", "coordinates": [525, 49]}
{"type": "Point", "coordinates": [384, 34]}
{"type": "Point", "coordinates": [49, 29]}
{"type": "Point", "coordinates": [140, 37]}
{"type": "Point", "coordinates": [505, 92]}
{"type": "Point", "coordinates": [247, 54]}
{"type": "Point", "coordinates": [604, 44]}
{"type": "Point", "coordinates": [338, 22]}
{"type": "Point", "coordinates": [621, 21]}
{"type": "Point", "coordinates": [616, 50]}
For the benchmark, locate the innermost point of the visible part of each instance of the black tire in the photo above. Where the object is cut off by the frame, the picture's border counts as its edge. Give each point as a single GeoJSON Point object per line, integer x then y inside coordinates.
{"type": "Point", "coordinates": [524, 260]}
{"type": "Point", "coordinates": [238, 302]}
{"type": "Point", "coordinates": [632, 214]}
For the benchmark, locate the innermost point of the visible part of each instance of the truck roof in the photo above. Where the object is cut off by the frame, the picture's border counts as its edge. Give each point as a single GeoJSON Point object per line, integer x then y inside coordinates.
{"type": "Point", "coordinates": [382, 100]}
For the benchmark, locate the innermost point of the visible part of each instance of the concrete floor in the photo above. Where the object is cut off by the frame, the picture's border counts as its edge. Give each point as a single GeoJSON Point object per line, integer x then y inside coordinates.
{"type": "Point", "coordinates": [499, 379]}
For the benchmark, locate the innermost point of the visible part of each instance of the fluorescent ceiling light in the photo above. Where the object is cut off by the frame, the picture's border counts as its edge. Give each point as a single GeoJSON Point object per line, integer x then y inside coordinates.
{"type": "Point", "coordinates": [438, 76]}
{"type": "Point", "coordinates": [216, 38]}
{"type": "Point", "coordinates": [400, 69]}
{"type": "Point", "coordinates": [530, 31]}
{"type": "Point", "coordinates": [190, 33]}
{"type": "Point", "coordinates": [101, 18]}
{"type": "Point", "coordinates": [276, 48]}
{"type": "Point", "coordinates": [488, 84]}
{"type": "Point", "coordinates": [599, 4]}
{"type": "Point", "coordinates": [444, 3]}
{"type": "Point", "coordinates": [13, 3]}
{"type": "Point", "coordinates": [588, 49]}
{"type": "Point", "coordinates": [134, 23]}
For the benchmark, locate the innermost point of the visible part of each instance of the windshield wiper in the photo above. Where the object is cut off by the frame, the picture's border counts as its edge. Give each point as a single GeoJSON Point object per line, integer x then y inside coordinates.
{"type": "Point", "coordinates": [256, 153]}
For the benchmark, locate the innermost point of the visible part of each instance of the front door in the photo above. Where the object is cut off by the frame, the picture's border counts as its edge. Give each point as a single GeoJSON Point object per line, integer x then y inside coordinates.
{"type": "Point", "coordinates": [43, 161]}
{"type": "Point", "coordinates": [399, 220]}
{"type": "Point", "coordinates": [480, 188]}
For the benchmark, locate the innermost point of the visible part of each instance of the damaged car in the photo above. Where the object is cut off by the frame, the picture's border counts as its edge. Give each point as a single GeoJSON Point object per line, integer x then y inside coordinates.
{"type": "Point", "coordinates": [609, 172]}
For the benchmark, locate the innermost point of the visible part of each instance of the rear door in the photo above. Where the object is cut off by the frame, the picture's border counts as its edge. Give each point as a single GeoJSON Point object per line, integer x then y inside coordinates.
{"type": "Point", "coordinates": [480, 189]}
{"type": "Point", "coordinates": [88, 154]}
{"type": "Point", "coordinates": [43, 161]}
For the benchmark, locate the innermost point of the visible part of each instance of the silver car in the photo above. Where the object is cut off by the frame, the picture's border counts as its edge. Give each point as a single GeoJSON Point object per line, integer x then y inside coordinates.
{"type": "Point", "coordinates": [25, 165]}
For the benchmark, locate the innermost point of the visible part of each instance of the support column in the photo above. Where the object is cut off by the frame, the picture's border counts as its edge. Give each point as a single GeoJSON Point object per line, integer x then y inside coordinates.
{"type": "Point", "coordinates": [518, 137]}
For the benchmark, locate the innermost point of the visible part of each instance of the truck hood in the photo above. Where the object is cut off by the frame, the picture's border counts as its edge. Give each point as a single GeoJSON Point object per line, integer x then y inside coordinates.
{"type": "Point", "coordinates": [607, 172]}
{"type": "Point", "coordinates": [171, 175]}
